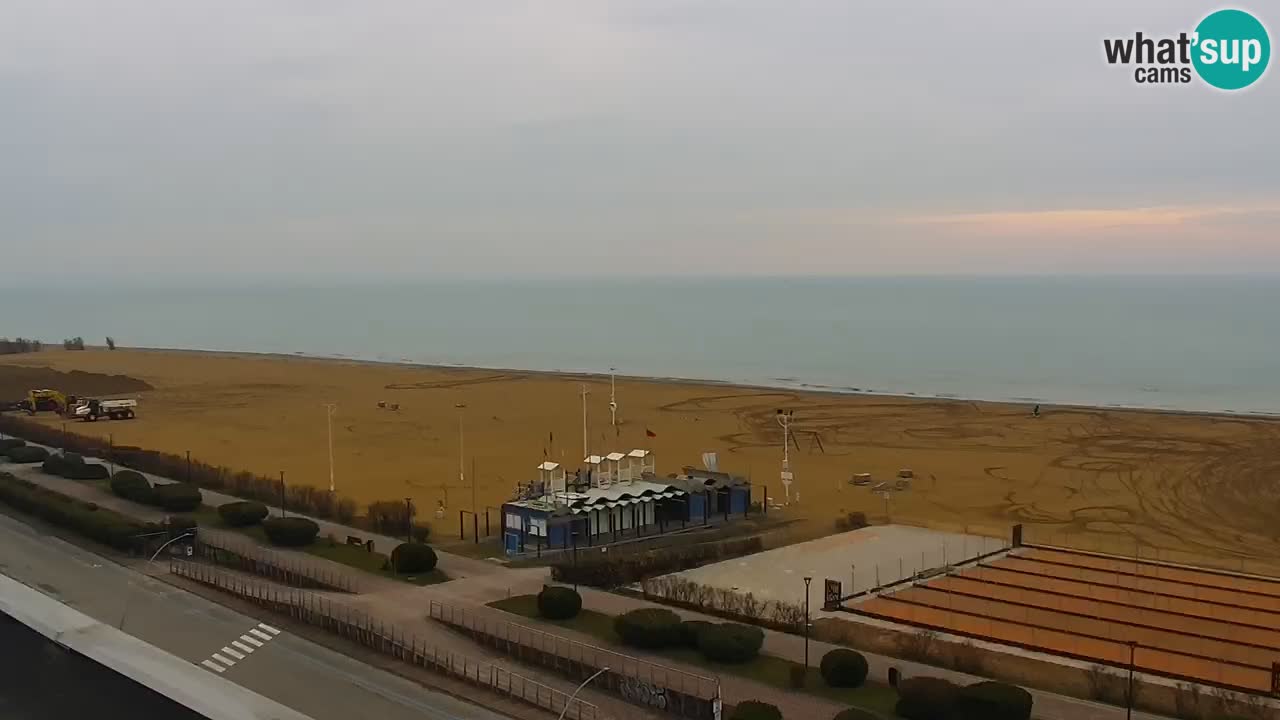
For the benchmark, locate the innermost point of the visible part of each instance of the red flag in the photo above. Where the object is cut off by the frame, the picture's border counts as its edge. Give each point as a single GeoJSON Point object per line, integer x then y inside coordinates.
{"type": "Point", "coordinates": [650, 433]}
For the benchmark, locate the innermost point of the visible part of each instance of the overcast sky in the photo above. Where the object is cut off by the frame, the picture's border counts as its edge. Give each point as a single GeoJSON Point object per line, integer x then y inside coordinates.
{"type": "Point", "coordinates": [413, 138]}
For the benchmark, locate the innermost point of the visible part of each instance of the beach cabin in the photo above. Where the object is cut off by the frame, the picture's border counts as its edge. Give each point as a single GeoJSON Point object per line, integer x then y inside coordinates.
{"type": "Point", "coordinates": [612, 469]}
{"type": "Point", "coordinates": [642, 462]}
{"type": "Point", "coordinates": [715, 495]}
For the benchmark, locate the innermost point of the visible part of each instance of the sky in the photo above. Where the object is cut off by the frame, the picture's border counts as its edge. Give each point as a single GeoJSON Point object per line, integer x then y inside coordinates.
{"type": "Point", "coordinates": [416, 139]}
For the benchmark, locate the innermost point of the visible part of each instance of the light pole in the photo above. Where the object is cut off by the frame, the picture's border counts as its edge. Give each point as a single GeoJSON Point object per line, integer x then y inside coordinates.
{"type": "Point", "coordinates": [613, 400]}
{"type": "Point", "coordinates": [784, 419]}
{"type": "Point", "coordinates": [595, 675]}
{"type": "Point", "coordinates": [586, 447]}
{"type": "Point", "coordinates": [1128, 713]}
{"type": "Point", "coordinates": [807, 580]}
{"type": "Point", "coordinates": [462, 476]}
{"type": "Point", "coordinates": [125, 612]}
{"type": "Point", "coordinates": [329, 410]}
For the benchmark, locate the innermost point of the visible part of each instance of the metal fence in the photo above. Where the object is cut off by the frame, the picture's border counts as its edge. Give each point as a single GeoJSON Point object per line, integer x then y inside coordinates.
{"type": "Point", "coordinates": [354, 625]}
{"type": "Point", "coordinates": [220, 549]}
{"type": "Point", "coordinates": [637, 681]}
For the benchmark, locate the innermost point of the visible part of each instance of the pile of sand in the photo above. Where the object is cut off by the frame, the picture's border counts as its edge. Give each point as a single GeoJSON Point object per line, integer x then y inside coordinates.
{"type": "Point", "coordinates": [16, 380]}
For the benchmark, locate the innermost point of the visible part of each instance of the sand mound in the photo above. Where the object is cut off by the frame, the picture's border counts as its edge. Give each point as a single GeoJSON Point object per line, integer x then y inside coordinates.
{"type": "Point", "coordinates": [16, 380]}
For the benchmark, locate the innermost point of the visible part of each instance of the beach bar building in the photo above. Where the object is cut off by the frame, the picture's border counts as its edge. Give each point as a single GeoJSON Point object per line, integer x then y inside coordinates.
{"type": "Point", "coordinates": [617, 505]}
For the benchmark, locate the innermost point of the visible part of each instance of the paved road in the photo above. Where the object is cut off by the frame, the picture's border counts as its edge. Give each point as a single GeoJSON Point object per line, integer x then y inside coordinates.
{"type": "Point", "coordinates": [290, 670]}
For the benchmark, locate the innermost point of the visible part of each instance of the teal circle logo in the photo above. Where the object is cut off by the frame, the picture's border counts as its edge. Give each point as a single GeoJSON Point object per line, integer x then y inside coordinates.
{"type": "Point", "coordinates": [1232, 49]}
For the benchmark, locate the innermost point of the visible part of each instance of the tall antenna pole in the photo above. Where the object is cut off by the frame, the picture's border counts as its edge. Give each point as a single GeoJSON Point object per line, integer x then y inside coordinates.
{"type": "Point", "coordinates": [613, 400]}
{"type": "Point", "coordinates": [784, 419]}
{"type": "Point", "coordinates": [586, 447]}
{"type": "Point", "coordinates": [330, 408]}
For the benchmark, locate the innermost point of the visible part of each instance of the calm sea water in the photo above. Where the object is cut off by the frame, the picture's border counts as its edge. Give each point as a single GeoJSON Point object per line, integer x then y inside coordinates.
{"type": "Point", "coordinates": [1179, 343]}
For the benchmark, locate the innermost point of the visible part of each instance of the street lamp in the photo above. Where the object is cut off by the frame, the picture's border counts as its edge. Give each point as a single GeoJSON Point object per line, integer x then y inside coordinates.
{"type": "Point", "coordinates": [150, 560]}
{"type": "Point", "coordinates": [462, 480]}
{"type": "Point", "coordinates": [330, 409]}
{"type": "Point", "coordinates": [597, 674]}
{"type": "Point", "coordinates": [1128, 713]}
{"type": "Point", "coordinates": [807, 580]}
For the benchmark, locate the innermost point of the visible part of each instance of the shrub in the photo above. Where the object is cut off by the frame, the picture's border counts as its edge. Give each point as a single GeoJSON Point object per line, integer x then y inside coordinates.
{"type": "Point", "coordinates": [413, 558]}
{"type": "Point", "coordinates": [648, 628]}
{"type": "Point", "coordinates": [755, 710]}
{"type": "Point", "coordinates": [421, 533]}
{"type": "Point", "coordinates": [855, 714]}
{"type": "Point", "coordinates": [103, 525]}
{"type": "Point", "coordinates": [690, 629]}
{"type": "Point", "coordinates": [993, 701]}
{"type": "Point", "coordinates": [622, 568]}
{"type": "Point", "coordinates": [73, 467]}
{"type": "Point", "coordinates": [55, 464]}
{"type": "Point", "coordinates": [131, 486]}
{"type": "Point", "coordinates": [176, 497]}
{"type": "Point", "coordinates": [346, 511]}
{"type": "Point", "coordinates": [88, 471]}
{"type": "Point", "coordinates": [559, 603]}
{"type": "Point", "coordinates": [7, 444]}
{"type": "Point", "coordinates": [844, 668]}
{"type": "Point", "coordinates": [27, 454]}
{"type": "Point", "coordinates": [730, 642]}
{"type": "Point", "coordinates": [291, 531]}
{"type": "Point", "coordinates": [926, 698]}
{"type": "Point", "coordinates": [243, 513]}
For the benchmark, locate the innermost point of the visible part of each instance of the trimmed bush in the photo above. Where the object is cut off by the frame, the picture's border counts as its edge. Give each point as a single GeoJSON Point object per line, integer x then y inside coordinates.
{"type": "Point", "coordinates": [176, 497]}
{"type": "Point", "coordinates": [993, 701]}
{"type": "Point", "coordinates": [730, 642]}
{"type": "Point", "coordinates": [73, 467]}
{"type": "Point", "coordinates": [413, 558]}
{"type": "Point", "coordinates": [648, 628]}
{"type": "Point", "coordinates": [131, 486]}
{"type": "Point", "coordinates": [101, 524]}
{"type": "Point", "coordinates": [27, 454]}
{"type": "Point", "coordinates": [855, 714]}
{"type": "Point", "coordinates": [55, 464]}
{"type": "Point", "coordinates": [7, 444]}
{"type": "Point", "coordinates": [559, 603]}
{"type": "Point", "coordinates": [926, 698]}
{"type": "Point", "coordinates": [291, 531]}
{"type": "Point", "coordinates": [843, 668]}
{"type": "Point", "coordinates": [690, 629]}
{"type": "Point", "coordinates": [243, 513]}
{"type": "Point", "coordinates": [755, 710]}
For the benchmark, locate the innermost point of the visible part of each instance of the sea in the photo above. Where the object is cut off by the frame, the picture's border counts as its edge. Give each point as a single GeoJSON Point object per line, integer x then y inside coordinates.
{"type": "Point", "coordinates": [1176, 343]}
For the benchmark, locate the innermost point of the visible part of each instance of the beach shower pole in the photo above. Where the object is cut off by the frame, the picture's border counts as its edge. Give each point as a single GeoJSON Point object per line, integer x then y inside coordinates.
{"type": "Point", "coordinates": [462, 479]}
{"type": "Point", "coordinates": [807, 580]}
{"type": "Point", "coordinates": [330, 408]}
{"type": "Point", "coordinates": [613, 400]}
{"type": "Point", "coordinates": [586, 447]}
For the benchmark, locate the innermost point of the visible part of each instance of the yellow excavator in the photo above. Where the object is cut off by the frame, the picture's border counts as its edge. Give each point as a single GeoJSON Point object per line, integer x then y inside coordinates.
{"type": "Point", "coordinates": [45, 400]}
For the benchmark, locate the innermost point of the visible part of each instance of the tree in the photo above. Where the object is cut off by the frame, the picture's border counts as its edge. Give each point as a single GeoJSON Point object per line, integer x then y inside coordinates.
{"type": "Point", "coordinates": [111, 343]}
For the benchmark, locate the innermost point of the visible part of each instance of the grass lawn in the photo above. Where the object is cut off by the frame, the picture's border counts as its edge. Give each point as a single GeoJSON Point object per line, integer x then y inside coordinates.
{"type": "Point", "coordinates": [350, 555]}
{"type": "Point", "coordinates": [765, 669]}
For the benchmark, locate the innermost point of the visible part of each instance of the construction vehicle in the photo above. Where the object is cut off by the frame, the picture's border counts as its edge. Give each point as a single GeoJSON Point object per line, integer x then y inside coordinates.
{"type": "Point", "coordinates": [46, 400]}
{"type": "Point", "coordinates": [90, 409]}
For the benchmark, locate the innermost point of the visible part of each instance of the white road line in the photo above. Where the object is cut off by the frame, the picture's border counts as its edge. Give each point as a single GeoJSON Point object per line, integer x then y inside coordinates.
{"type": "Point", "coordinates": [268, 628]}
{"type": "Point", "coordinates": [224, 660]}
{"type": "Point", "coordinates": [242, 646]}
{"type": "Point", "coordinates": [233, 653]}
{"type": "Point", "coordinates": [260, 634]}
{"type": "Point", "coordinates": [212, 665]}
{"type": "Point", "coordinates": [251, 640]}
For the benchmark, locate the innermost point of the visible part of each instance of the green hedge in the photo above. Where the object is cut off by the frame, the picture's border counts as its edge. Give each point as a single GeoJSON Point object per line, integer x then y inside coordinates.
{"type": "Point", "coordinates": [131, 485]}
{"type": "Point", "coordinates": [855, 714]}
{"type": "Point", "coordinates": [844, 668]}
{"type": "Point", "coordinates": [559, 603]}
{"type": "Point", "coordinates": [648, 628]}
{"type": "Point", "coordinates": [291, 531]}
{"type": "Point", "coordinates": [926, 698]}
{"type": "Point", "coordinates": [755, 710]}
{"type": "Point", "coordinates": [27, 454]}
{"type": "Point", "coordinates": [176, 497]}
{"type": "Point", "coordinates": [413, 558]}
{"type": "Point", "coordinates": [73, 467]}
{"type": "Point", "coordinates": [690, 629]}
{"type": "Point", "coordinates": [87, 519]}
{"type": "Point", "coordinates": [243, 513]}
{"type": "Point", "coordinates": [730, 642]}
{"type": "Point", "coordinates": [993, 701]}
{"type": "Point", "coordinates": [7, 444]}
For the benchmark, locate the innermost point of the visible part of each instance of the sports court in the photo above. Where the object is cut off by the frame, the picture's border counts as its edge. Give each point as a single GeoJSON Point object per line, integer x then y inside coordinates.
{"type": "Point", "coordinates": [1206, 626]}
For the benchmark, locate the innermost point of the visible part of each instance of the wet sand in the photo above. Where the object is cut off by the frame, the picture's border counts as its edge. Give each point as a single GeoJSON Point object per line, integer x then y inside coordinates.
{"type": "Point", "coordinates": [1169, 485]}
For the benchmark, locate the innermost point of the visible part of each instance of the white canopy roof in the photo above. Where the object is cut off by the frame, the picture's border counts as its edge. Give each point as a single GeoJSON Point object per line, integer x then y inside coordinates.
{"type": "Point", "coordinates": [615, 456]}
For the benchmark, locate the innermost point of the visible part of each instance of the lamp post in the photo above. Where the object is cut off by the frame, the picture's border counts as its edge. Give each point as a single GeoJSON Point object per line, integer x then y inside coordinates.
{"type": "Point", "coordinates": [125, 612]}
{"type": "Point", "coordinates": [281, 493]}
{"type": "Point", "coordinates": [586, 445]}
{"type": "Point", "coordinates": [595, 675]}
{"type": "Point", "coordinates": [807, 580]}
{"type": "Point", "coordinates": [329, 410]}
{"type": "Point", "coordinates": [613, 400]}
{"type": "Point", "coordinates": [462, 475]}
{"type": "Point", "coordinates": [1128, 713]}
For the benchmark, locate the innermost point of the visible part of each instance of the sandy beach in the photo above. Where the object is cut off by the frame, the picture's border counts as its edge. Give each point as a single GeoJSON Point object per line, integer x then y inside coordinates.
{"type": "Point", "coordinates": [1123, 480]}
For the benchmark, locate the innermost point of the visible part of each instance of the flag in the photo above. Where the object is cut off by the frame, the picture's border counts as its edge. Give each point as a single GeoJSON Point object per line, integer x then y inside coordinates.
{"type": "Point", "coordinates": [650, 433]}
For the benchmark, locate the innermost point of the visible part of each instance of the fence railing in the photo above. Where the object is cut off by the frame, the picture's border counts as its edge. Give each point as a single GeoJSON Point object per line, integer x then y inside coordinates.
{"type": "Point", "coordinates": [638, 681]}
{"type": "Point", "coordinates": [1132, 548]}
{"type": "Point", "coordinates": [220, 549]}
{"type": "Point", "coordinates": [358, 626]}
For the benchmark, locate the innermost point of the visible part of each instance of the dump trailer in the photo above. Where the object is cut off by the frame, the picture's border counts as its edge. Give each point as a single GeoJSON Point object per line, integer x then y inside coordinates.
{"type": "Point", "coordinates": [91, 409]}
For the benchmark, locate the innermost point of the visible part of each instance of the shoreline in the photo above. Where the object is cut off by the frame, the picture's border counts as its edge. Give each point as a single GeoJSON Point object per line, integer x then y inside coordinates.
{"type": "Point", "coordinates": [798, 387]}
